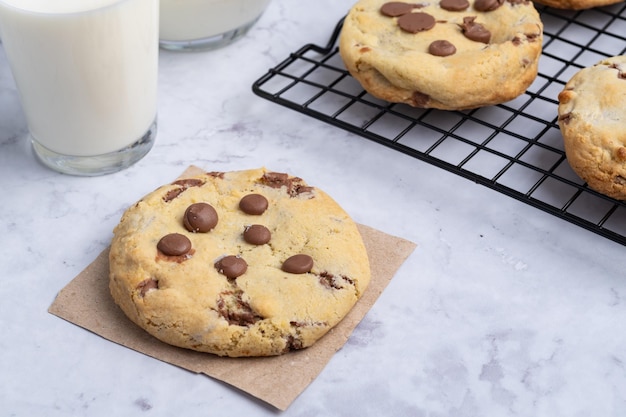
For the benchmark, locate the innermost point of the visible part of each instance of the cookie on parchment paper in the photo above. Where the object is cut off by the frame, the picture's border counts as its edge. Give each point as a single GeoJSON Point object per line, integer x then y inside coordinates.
{"type": "Point", "coordinates": [242, 263]}
{"type": "Point", "coordinates": [444, 54]}
{"type": "Point", "coordinates": [592, 120]}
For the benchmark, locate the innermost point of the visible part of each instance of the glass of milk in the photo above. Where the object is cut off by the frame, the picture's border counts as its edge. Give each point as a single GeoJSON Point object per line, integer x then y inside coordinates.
{"type": "Point", "coordinates": [192, 25]}
{"type": "Point", "coordinates": [86, 73]}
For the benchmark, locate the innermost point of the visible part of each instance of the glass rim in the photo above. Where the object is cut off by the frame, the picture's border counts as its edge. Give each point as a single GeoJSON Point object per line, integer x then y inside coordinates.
{"type": "Point", "coordinates": [100, 5]}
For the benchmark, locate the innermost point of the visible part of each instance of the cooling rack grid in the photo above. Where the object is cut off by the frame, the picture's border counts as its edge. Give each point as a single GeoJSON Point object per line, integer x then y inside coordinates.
{"type": "Point", "coordinates": [514, 148]}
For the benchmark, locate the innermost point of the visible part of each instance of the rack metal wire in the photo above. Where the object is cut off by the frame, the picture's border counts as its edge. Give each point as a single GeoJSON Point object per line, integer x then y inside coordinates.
{"type": "Point", "coordinates": [514, 148]}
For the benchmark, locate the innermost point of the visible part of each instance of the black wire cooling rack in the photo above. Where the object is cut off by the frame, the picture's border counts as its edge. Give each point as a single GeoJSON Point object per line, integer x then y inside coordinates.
{"type": "Point", "coordinates": [514, 148]}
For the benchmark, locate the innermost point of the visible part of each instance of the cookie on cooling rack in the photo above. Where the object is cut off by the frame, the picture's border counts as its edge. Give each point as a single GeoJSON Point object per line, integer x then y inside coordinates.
{"type": "Point", "coordinates": [242, 263]}
{"type": "Point", "coordinates": [592, 119]}
{"type": "Point", "coordinates": [444, 54]}
{"type": "Point", "coordinates": [576, 4]}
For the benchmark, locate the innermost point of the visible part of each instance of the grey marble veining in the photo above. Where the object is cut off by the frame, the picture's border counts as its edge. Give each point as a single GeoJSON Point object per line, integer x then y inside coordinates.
{"type": "Point", "coordinates": [502, 310]}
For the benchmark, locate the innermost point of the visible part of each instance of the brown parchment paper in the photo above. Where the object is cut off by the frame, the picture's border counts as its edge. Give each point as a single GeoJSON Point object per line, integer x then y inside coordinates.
{"type": "Point", "coordinates": [278, 381]}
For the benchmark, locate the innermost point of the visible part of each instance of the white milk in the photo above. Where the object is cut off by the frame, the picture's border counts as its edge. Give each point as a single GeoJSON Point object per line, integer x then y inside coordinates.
{"type": "Point", "coordinates": [184, 20]}
{"type": "Point", "coordinates": [86, 70]}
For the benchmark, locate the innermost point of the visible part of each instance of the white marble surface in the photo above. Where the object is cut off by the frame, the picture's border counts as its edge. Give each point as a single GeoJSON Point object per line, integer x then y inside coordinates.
{"type": "Point", "coordinates": [501, 310]}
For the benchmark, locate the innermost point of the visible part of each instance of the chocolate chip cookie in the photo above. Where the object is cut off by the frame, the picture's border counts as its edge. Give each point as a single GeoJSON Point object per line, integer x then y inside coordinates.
{"type": "Point", "coordinates": [242, 263]}
{"type": "Point", "coordinates": [444, 54]}
{"type": "Point", "coordinates": [576, 4]}
{"type": "Point", "coordinates": [592, 119]}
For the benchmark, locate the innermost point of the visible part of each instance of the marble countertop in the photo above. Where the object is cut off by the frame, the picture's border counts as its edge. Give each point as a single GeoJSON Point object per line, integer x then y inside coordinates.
{"type": "Point", "coordinates": [501, 310]}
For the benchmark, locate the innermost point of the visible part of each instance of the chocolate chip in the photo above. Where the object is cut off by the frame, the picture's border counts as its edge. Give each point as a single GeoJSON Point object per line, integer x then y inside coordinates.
{"type": "Point", "coordinates": [475, 31]}
{"type": "Point", "coordinates": [255, 204]}
{"type": "Point", "coordinates": [420, 99]}
{"type": "Point", "coordinates": [257, 234]}
{"type": "Point", "coordinates": [200, 217]}
{"type": "Point", "coordinates": [298, 264]}
{"type": "Point", "coordinates": [174, 244]}
{"type": "Point", "coordinates": [293, 343]}
{"type": "Point", "coordinates": [328, 281]}
{"type": "Point", "coordinates": [397, 8]}
{"type": "Point", "coordinates": [487, 5]}
{"type": "Point", "coordinates": [275, 179]}
{"type": "Point", "coordinates": [235, 310]}
{"type": "Point", "coordinates": [216, 174]}
{"type": "Point", "coordinates": [183, 185]}
{"type": "Point", "coordinates": [231, 266]}
{"type": "Point", "coordinates": [441, 48]}
{"type": "Point", "coordinates": [189, 182]}
{"type": "Point", "coordinates": [454, 5]}
{"type": "Point", "coordinates": [294, 185]}
{"type": "Point", "coordinates": [416, 22]}
{"type": "Point", "coordinates": [620, 74]}
{"type": "Point", "coordinates": [331, 281]}
{"type": "Point", "coordinates": [301, 189]}
{"type": "Point", "coordinates": [146, 285]}
{"type": "Point", "coordinates": [172, 194]}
